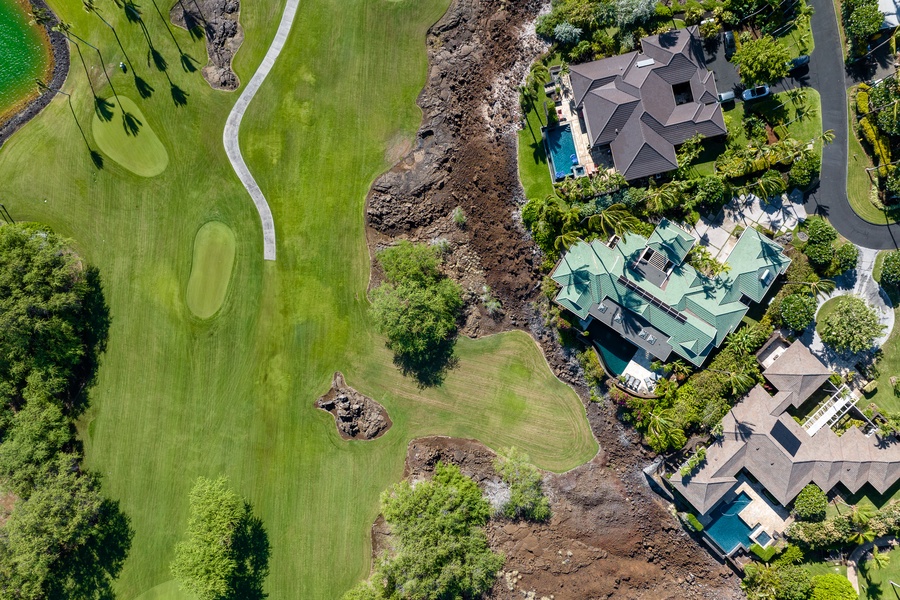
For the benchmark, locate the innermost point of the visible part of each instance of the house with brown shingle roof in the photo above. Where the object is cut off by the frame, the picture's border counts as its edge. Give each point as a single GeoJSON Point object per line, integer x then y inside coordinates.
{"type": "Point", "coordinates": [761, 439]}
{"type": "Point", "coordinates": [641, 105]}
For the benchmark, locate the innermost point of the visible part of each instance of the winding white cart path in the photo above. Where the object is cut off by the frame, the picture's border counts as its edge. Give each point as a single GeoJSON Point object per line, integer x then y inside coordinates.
{"type": "Point", "coordinates": [233, 125]}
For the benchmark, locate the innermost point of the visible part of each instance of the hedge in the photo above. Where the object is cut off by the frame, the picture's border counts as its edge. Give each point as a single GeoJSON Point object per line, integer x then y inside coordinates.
{"type": "Point", "coordinates": [862, 102]}
{"type": "Point", "coordinates": [693, 522]}
{"type": "Point", "coordinates": [876, 140]}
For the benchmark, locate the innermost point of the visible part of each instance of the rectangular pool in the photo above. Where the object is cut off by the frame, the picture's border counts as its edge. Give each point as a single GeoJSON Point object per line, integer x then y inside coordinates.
{"type": "Point", "coordinates": [727, 529]}
{"type": "Point", "coordinates": [561, 150]}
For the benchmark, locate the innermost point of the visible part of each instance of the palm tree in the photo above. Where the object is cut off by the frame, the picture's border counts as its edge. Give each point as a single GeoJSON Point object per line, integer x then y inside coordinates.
{"type": "Point", "coordinates": [820, 287]}
{"type": "Point", "coordinates": [566, 240]}
{"type": "Point", "coordinates": [769, 184]}
{"type": "Point", "coordinates": [614, 220]}
{"type": "Point", "coordinates": [741, 342]}
{"type": "Point", "coordinates": [538, 75]}
{"type": "Point", "coordinates": [660, 198]}
{"type": "Point", "coordinates": [738, 381]}
{"type": "Point", "coordinates": [860, 534]}
{"type": "Point", "coordinates": [879, 560]}
{"type": "Point", "coordinates": [680, 369]}
{"type": "Point", "coordinates": [663, 430]}
{"type": "Point", "coordinates": [827, 136]}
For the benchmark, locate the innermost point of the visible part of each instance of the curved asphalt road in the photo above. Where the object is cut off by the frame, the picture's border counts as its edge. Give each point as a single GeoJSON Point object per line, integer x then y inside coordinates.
{"type": "Point", "coordinates": [233, 125]}
{"type": "Point", "coordinates": [829, 199]}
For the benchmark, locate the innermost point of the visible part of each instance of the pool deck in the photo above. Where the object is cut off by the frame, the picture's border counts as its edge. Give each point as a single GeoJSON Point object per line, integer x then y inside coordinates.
{"type": "Point", "coordinates": [759, 514]}
{"type": "Point", "coordinates": [639, 367]}
{"type": "Point", "coordinates": [591, 161]}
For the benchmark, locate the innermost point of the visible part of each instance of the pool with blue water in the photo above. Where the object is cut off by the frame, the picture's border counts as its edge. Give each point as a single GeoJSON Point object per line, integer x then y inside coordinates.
{"type": "Point", "coordinates": [727, 529]}
{"type": "Point", "coordinates": [561, 148]}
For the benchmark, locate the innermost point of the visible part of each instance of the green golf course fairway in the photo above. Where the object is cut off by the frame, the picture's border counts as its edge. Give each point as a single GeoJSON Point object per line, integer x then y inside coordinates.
{"type": "Point", "coordinates": [165, 591]}
{"type": "Point", "coordinates": [177, 397]}
{"type": "Point", "coordinates": [142, 153]}
{"type": "Point", "coordinates": [214, 249]}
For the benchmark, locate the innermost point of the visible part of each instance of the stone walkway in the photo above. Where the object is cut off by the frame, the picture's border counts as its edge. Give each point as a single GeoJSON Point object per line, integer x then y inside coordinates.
{"type": "Point", "coordinates": [860, 283]}
{"type": "Point", "coordinates": [233, 125]}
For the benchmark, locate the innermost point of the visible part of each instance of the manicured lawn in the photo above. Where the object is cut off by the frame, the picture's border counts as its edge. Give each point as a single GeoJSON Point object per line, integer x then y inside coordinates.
{"type": "Point", "coordinates": [177, 397]}
{"type": "Point", "coordinates": [214, 249]}
{"type": "Point", "coordinates": [138, 149]}
{"type": "Point", "coordinates": [798, 40]}
{"type": "Point", "coordinates": [889, 364]}
{"type": "Point", "coordinates": [779, 108]}
{"type": "Point", "coordinates": [875, 584]}
{"type": "Point", "coordinates": [533, 168]}
{"type": "Point", "coordinates": [858, 182]}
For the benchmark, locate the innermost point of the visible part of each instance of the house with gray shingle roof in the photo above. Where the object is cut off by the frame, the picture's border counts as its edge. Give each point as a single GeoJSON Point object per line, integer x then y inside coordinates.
{"type": "Point", "coordinates": [762, 440]}
{"type": "Point", "coordinates": [641, 105]}
{"type": "Point", "coordinates": [643, 289]}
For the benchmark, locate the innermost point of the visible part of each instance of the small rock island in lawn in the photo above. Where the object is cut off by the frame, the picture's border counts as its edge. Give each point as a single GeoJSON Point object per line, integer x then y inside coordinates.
{"type": "Point", "coordinates": [357, 417]}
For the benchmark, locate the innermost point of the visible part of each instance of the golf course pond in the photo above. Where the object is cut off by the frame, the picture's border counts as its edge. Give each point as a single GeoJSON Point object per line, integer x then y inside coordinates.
{"type": "Point", "coordinates": [26, 56]}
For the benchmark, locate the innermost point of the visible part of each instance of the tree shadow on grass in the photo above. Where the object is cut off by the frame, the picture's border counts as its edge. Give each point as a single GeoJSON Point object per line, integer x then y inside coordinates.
{"type": "Point", "coordinates": [179, 96]}
{"type": "Point", "coordinates": [133, 12]}
{"type": "Point", "coordinates": [93, 329]}
{"type": "Point", "coordinates": [158, 60]}
{"type": "Point", "coordinates": [144, 89]}
{"type": "Point", "coordinates": [188, 63]}
{"type": "Point", "coordinates": [251, 551]}
{"type": "Point", "coordinates": [93, 566]}
{"type": "Point", "coordinates": [131, 123]}
{"type": "Point", "coordinates": [104, 108]}
{"type": "Point", "coordinates": [429, 368]}
{"type": "Point", "coordinates": [96, 158]}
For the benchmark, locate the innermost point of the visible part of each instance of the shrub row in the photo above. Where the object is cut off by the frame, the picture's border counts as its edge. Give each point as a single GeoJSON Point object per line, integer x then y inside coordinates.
{"type": "Point", "coordinates": [862, 99]}
{"type": "Point", "coordinates": [877, 140]}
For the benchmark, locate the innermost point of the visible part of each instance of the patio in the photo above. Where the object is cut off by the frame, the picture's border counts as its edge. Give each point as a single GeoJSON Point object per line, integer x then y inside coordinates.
{"type": "Point", "coordinates": [638, 375]}
{"type": "Point", "coordinates": [779, 214]}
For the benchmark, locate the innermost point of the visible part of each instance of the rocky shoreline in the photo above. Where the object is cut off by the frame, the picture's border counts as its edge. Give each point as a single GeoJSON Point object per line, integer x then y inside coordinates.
{"type": "Point", "coordinates": [59, 51]}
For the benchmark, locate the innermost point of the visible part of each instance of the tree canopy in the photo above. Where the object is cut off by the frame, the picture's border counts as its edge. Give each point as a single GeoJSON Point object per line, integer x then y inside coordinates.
{"type": "Point", "coordinates": [811, 504]}
{"type": "Point", "coordinates": [440, 550]}
{"type": "Point", "coordinates": [890, 271]}
{"type": "Point", "coordinates": [832, 586]}
{"type": "Point", "coordinates": [416, 308]}
{"type": "Point", "coordinates": [226, 552]}
{"type": "Point", "coordinates": [798, 310]}
{"type": "Point", "coordinates": [852, 327]}
{"type": "Point", "coordinates": [526, 493]}
{"type": "Point", "coordinates": [762, 61]}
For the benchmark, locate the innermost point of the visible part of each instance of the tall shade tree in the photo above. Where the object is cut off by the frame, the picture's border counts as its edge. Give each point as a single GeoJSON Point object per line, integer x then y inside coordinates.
{"type": "Point", "coordinates": [417, 308]}
{"type": "Point", "coordinates": [64, 540]}
{"type": "Point", "coordinates": [53, 320]}
{"type": "Point", "coordinates": [852, 327]}
{"type": "Point", "coordinates": [762, 61]}
{"type": "Point", "coordinates": [226, 552]}
{"type": "Point", "coordinates": [438, 546]}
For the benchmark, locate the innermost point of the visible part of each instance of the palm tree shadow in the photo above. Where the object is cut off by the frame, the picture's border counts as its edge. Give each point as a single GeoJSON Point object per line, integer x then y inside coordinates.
{"type": "Point", "coordinates": [188, 63]}
{"type": "Point", "coordinates": [144, 89]}
{"type": "Point", "coordinates": [251, 551]}
{"type": "Point", "coordinates": [103, 108]}
{"type": "Point", "coordinates": [159, 61]}
{"type": "Point", "coordinates": [133, 12]}
{"type": "Point", "coordinates": [96, 158]}
{"type": "Point", "coordinates": [179, 96]}
{"type": "Point", "coordinates": [131, 123]}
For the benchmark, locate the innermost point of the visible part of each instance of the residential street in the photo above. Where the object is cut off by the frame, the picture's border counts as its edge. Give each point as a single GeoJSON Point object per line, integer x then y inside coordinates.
{"type": "Point", "coordinates": [827, 74]}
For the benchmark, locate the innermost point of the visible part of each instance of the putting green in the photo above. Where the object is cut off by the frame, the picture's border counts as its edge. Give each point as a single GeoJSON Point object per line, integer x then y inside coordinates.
{"type": "Point", "coordinates": [214, 248]}
{"type": "Point", "coordinates": [138, 150]}
{"type": "Point", "coordinates": [165, 591]}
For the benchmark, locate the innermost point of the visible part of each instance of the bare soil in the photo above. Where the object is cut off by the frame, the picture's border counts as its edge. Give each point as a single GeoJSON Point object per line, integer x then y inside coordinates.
{"type": "Point", "coordinates": [218, 20]}
{"type": "Point", "coordinates": [611, 536]}
{"type": "Point", "coordinates": [602, 541]}
{"type": "Point", "coordinates": [357, 417]}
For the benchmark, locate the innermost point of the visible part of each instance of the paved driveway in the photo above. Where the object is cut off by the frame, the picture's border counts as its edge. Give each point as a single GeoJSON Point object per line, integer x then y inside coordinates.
{"type": "Point", "coordinates": [829, 198]}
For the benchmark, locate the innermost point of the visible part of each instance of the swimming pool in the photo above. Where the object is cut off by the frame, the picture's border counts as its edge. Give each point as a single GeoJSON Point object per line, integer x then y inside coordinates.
{"type": "Point", "coordinates": [727, 529]}
{"type": "Point", "coordinates": [561, 149]}
{"type": "Point", "coordinates": [615, 351]}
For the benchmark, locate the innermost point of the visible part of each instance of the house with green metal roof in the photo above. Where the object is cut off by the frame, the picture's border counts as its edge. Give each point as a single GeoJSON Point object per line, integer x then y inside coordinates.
{"type": "Point", "coordinates": [643, 289]}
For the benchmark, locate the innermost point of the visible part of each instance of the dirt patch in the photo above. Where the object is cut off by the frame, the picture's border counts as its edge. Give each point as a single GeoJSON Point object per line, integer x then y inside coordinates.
{"type": "Point", "coordinates": [357, 417]}
{"type": "Point", "coordinates": [464, 155]}
{"type": "Point", "coordinates": [59, 68]}
{"type": "Point", "coordinates": [7, 502]}
{"type": "Point", "coordinates": [397, 147]}
{"type": "Point", "coordinates": [218, 20]}
{"type": "Point", "coordinates": [603, 541]}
